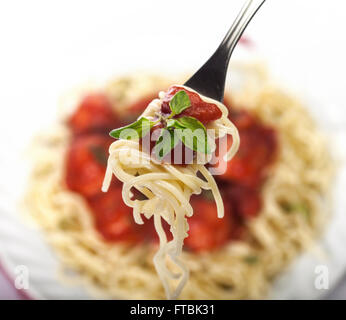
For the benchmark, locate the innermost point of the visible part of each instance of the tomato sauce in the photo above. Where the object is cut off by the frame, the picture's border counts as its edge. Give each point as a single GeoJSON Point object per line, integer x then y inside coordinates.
{"type": "Point", "coordinates": [240, 184]}
{"type": "Point", "coordinates": [201, 110]}
{"type": "Point", "coordinates": [86, 162]}
{"type": "Point", "coordinates": [94, 114]}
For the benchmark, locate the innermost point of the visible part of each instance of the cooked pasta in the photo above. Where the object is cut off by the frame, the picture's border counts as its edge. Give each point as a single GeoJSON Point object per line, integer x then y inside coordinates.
{"type": "Point", "coordinates": [292, 215]}
{"type": "Point", "coordinates": [168, 189]}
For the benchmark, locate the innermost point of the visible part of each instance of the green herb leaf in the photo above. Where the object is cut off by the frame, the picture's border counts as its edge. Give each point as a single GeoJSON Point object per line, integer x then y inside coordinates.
{"type": "Point", "coordinates": [194, 134]}
{"type": "Point", "coordinates": [297, 207]}
{"type": "Point", "coordinates": [165, 143]}
{"type": "Point", "coordinates": [135, 130]}
{"type": "Point", "coordinates": [252, 259]}
{"type": "Point", "coordinates": [190, 123]}
{"type": "Point", "coordinates": [99, 154]}
{"type": "Point", "coordinates": [179, 102]}
{"type": "Point", "coordinates": [174, 123]}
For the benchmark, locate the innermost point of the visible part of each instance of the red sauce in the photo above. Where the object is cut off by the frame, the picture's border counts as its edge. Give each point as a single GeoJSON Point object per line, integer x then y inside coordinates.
{"type": "Point", "coordinates": [201, 110]}
{"type": "Point", "coordinates": [240, 185]}
{"type": "Point", "coordinates": [257, 150]}
{"type": "Point", "coordinates": [246, 202]}
{"type": "Point", "coordinates": [94, 114]}
{"type": "Point", "coordinates": [113, 218]}
{"type": "Point", "coordinates": [206, 230]}
{"type": "Point", "coordinates": [86, 162]}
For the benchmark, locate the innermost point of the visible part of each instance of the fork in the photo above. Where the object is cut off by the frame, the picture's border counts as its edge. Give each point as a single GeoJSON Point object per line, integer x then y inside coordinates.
{"type": "Point", "coordinates": [210, 79]}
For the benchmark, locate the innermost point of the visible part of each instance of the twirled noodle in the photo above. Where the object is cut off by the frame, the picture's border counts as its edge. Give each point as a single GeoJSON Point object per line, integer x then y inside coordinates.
{"type": "Point", "coordinates": [168, 189]}
{"type": "Point", "coordinates": [242, 269]}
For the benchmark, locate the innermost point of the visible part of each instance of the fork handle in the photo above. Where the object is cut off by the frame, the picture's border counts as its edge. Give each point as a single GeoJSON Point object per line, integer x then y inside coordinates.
{"type": "Point", "coordinates": [210, 79]}
{"type": "Point", "coordinates": [239, 25]}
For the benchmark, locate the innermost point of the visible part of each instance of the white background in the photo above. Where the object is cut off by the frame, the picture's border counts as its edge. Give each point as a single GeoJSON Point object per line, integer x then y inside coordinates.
{"type": "Point", "coordinates": [48, 46]}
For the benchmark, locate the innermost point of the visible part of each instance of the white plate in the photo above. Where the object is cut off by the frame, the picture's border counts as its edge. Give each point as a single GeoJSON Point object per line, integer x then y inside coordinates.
{"type": "Point", "coordinates": [55, 47]}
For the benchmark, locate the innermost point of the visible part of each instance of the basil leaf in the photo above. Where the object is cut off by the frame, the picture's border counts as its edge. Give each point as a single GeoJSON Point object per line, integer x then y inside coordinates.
{"type": "Point", "coordinates": [194, 136]}
{"type": "Point", "coordinates": [191, 123]}
{"type": "Point", "coordinates": [135, 130]}
{"type": "Point", "coordinates": [180, 102]}
{"type": "Point", "coordinates": [174, 123]}
{"type": "Point", "coordinates": [165, 143]}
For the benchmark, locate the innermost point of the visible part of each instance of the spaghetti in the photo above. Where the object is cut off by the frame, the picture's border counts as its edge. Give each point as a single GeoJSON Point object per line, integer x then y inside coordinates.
{"type": "Point", "coordinates": [293, 211]}
{"type": "Point", "coordinates": [168, 189]}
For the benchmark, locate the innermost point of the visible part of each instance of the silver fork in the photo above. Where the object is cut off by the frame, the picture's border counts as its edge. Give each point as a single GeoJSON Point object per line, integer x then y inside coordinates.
{"type": "Point", "coordinates": [210, 79]}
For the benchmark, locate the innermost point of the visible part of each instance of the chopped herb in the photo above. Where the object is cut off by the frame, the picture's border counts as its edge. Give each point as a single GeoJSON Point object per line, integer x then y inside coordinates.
{"type": "Point", "coordinates": [99, 154]}
{"type": "Point", "coordinates": [225, 286]}
{"type": "Point", "coordinates": [252, 259]}
{"type": "Point", "coordinates": [296, 207]}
